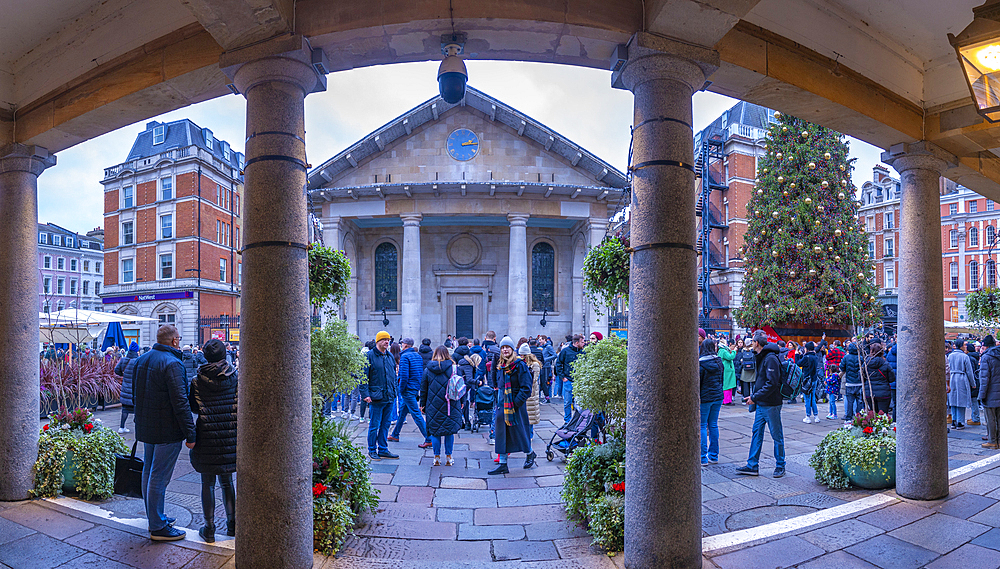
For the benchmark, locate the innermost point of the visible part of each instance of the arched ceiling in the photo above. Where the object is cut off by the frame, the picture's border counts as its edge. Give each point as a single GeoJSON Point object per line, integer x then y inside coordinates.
{"type": "Point", "coordinates": [882, 71]}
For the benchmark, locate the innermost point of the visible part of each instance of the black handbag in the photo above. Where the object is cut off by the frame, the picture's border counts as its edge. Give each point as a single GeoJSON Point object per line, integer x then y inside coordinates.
{"type": "Point", "coordinates": [128, 474]}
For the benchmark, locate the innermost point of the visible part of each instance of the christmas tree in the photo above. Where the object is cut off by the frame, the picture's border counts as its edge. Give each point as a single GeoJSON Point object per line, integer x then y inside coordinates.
{"type": "Point", "coordinates": [805, 255]}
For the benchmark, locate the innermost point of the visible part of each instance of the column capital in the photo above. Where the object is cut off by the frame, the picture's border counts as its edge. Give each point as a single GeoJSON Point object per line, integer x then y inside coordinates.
{"type": "Point", "coordinates": [21, 158]}
{"type": "Point", "coordinates": [654, 57]}
{"type": "Point", "coordinates": [286, 58]}
{"type": "Point", "coordinates": [332, 222]}
{"type": "Point", "coordinates": [411, 219]}
{"type": "Point", "coordinates": [598, 223]}
{"type": "Point", "coordinates": [921, 155]}
{"type": "Point", "coordinates": [518, 219]}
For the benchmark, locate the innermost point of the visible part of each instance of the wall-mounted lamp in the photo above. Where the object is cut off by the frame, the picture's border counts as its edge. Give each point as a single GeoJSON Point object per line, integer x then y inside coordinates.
{"type": "Point", "coordinates": [439, 296]}
{"type": "Point", "coordinates": [544, 314]}
{"type": "Point", "coordinates": [385, 319]}
{"type": "Point", "coordinates": [978, 50]}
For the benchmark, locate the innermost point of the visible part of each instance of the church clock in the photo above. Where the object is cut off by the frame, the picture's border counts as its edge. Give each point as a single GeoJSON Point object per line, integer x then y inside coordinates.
{"type": "Point", "coordinates": [463, 144]}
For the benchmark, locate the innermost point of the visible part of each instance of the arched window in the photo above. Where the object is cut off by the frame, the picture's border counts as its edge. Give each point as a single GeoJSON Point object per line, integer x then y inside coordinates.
{"type": "Point", "coordinates": [974, 237]}
{"type": "Point", "coordinates": [973, 275]}
{"type": "Point", "coordinates": [991, 233]}
{"type": "Point", "coordinates": [543, 277]}
{"type": "Point", "coordinates": [386, 263]}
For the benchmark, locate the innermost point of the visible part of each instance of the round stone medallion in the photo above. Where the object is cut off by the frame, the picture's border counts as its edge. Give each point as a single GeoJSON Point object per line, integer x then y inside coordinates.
{"type": "Point", "coordinates": [464, 250]}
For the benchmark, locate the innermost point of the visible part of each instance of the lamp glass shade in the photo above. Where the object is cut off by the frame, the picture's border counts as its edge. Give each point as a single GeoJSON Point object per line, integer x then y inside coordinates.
{"type": "Point", "coordinates": [981, 64]}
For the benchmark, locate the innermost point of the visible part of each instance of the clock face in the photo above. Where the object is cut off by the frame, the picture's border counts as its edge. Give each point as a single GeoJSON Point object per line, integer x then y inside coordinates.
{"type": "Point", "coordinates": [463, 144]}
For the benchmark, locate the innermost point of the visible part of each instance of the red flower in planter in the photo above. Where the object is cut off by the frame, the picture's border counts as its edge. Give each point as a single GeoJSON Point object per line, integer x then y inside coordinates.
{"type": "Point", "coordinates": [318, 489]}
{"type": "Point", "coordinates": [88, 427]}
{"type": "Point", "coordinates": [618, 487]}
{"type": "Point", "coordinates": [868, 430]}
{"type": "Point", "coordinates": [45, 427]}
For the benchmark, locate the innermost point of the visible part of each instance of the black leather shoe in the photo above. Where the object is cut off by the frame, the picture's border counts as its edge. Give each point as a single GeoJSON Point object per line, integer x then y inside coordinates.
{"type": "Point", "coordinates": [530, 461]}
{"type": "Point", "coordinates": [502, 469]}
{"type": "Point", "coordinates": [374, 456]}
{"type": "Point", "coordinates": [231, 528]}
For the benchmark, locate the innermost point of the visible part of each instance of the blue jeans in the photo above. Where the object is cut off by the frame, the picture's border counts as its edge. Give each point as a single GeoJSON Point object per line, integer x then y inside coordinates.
{"type": "Point", "coordinates": [410, 406]}
{"type": "Point", "coordinates": [852, 402]}
{"type": "Point", "coordinates": [567, 390]}
{"type": "Point", "coordinates": [958, 415]}
{"type": "Point", "coordinates": [157, 468]}
{"type": "Point", "coordinates": [397, 405]}
{"type": "Point", "coordinates": [449, 444]}
{"type": "Point", "coordinates": [771, 415]}
{"type": "Point", "coordinates": [378, 426]}
{"type": "Point", "coordinates": [810, 399]}
{"type": "Point", "coordinates": [710, 431]}
{"type": "Point", "coordinates": [833, 404]}
{"type": "Point", "coordinates": [557, 387]}
{"type": "Point", "coordinates": [975, 410]}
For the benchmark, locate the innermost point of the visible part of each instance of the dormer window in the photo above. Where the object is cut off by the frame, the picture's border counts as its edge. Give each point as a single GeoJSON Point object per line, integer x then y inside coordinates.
{"type": "Point", "coordinates": [209, 139]}
{"type": "Point", "coordinates": [225, 150]}
{"type": "Point", "coordinates": [159, 134]}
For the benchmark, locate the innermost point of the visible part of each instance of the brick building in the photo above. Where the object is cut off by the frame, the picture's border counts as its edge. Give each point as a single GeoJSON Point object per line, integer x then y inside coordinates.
{"type": "Point", "coordinates": [172, 232]}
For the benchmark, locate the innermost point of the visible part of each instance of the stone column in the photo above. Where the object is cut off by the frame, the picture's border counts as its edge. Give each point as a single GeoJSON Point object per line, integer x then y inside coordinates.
{"type": "Point", "coordinates": [20, 167]}
{"type": "Point", "coordinates": [352, 305]}
{"type": "Point", "coordinates": [597, 316]}
{"type": "Point", "coordinates": [921, 440]}
{"type": "Point", "coordinates": [274, 436]}
{"type": "Point", "coordinates": [517, 277]}
{"type": "Point", "coordinates": [663, 504]}
{"type": "Point", "coordinates": [410, 283]}
{"type": "Point", "coordinates": [331, 239]}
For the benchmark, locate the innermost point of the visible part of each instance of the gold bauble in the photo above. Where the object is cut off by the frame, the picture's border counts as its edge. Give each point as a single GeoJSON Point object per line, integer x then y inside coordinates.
{"type": "Point", "coordinates": [777, 114]}
{"type": "Point", "coordinates": [838, 233]}
{"type": "Point", "coordinates": [824, 184]}
{"type": "Point", "coordinates": [791, 310]}
{"type": "Point", "coordinates": [842, 168]}
{"type": "Point", "coordinates": [817, 223]}
{"type": "Point", "coordinates": [840, 222]}
{"type": "Point", "coordinates": [812, 165]}
{"type": "Point", "coordinates": [805, 134]}
{"type": "Point", "coordinates": [817, 249]}
{"type": "Point", "coordinates": [799, 246]}
{"type": "Point", "coordinates": [836, 258]}
{"type": "Point", "coordinates": [843, 183]}
{"type": "Point", "coordinates": [774, 254]}
{"type": "Point", "coordinates": [829, 249]}
{"type": "Point", "coordinates": [740, 250]}
{"type": "Point", "coordinates": [756, 212]}
{"type": "Point", "coordinates": [861, 275]}
{"type": "Point", "coordinates": [774, 214]}
{"type": "Point", "coordinates": [779, 156]}
{"type": "Point", "coordinates": [764, 170]}
{"type": "Point", "coordinates": [829, 309]}
{"type": "Point", "coordinates": [812, 272]}
{"type": "Point", "coordinates": [760, 192]}
{"type": "Point", "coordinates": [808, 201]}
{"type": "Point", "coordinates": [792, 185]}
{"type": "Point", "coordinates": [821, 208]}
{"type": "Point", "coordinates": [784, 129]}
{"type": "Point", "coordinates": [781, 179]}
{"type": "Point", "coordinates": [840, 195]}
{"type": "Point", "coordinates": [826, 155]}
{"type": "Point", "coordinates": [785, 193]}
{"type": "Point", "coordinates": [763, 233]}
{"type": "Point", "coordinates": [791, 273]}
{"type": "Point", "coordinates": [767, 306]}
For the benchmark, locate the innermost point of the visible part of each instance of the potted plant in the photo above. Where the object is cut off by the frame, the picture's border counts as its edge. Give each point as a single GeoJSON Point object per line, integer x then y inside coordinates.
{"type": "Point", "coordinates": [76, 452]}
{"type": "Point", "coordinates": [594, 492]}
{"type": "Point", "coordinates": [77, 384]}
{"type": "Point", "coordinates": [606, 271]}
{"type": "Point", "coordinates": [329, 273]}
{"type": "Point", "coordinates": [861, 454]}
{"type": "Point", "coordinates": [599, 379]}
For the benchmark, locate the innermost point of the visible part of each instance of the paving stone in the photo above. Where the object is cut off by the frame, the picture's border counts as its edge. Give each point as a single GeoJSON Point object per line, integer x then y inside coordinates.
{"type": "Point", "coordinates": [711, 477]}
{"type": "Point", "coordinates": [495, 483]}
{"type": "Point", "coordinates": [990, 539]}
{"type": "Point", "coordinates": [739, 502]}
{"type": "Point", "coordinates": [415, 495]}
{"type": "Point", "coordinates": [546, 481]}
{"type": "Point", "coordinates": [713, 524]}
{"type": "Point", "coordinates": [407, 529]}
{"type": "Point", "coordinates": [768, 486]}
{"type": "Point", "coordinates": [980, 484]}
{"type": "Point", "coordinates": [9, 531]}
{"type": "Point", "coordinates": [411, 475]}
{"type": "Point", "coordinates": [728, 488]}
{"type": "Point", "coordinates": [384, 466]}
{"type": "Point", "coordinates": [469, 532]}
{"type": "Point", "coordinates": [764, 515]}
{"type": "Point", "coordinates": [504, 550]}
{"type": "Point", "coordinates": [529, 496]}
{"type": "Point", "coordinates": [457, 498]}
{"type": "Point", "coordinates": [968, 557]}
{"type": "Point", "coordinates": [522, 515]}
{"type": "Point", "coordinates": [403, 549]}
{"type": "Point", "coordinates": [709, 494]}
{"type": "Point", "coordinates": [131, 549]}
{"type": "Point", "coordinates": [940, 533]}
{"type": "Point", "coordinates": [49, 522]}
{"type": "Point", "coordinates": [813, 500]}
{"type": "Point", "coordinates": [894, 516]}
{"type": "Point", "coordinates": [781, 553]}
{"type": "Point", "coordinates": [548, 531]}
{"type": "Point", "coordinates": [837, 560]}
{"type": "Point", "coordinates": [92, 561]}
{"type": "Point", "coordinates": [38, 550]}
{"type": "Point", "coordinates": [543, 469]}
{"type": "Point", "coordinates": [380, 477]}
{"type": "Point", "coordinates": [405, 511]}
{"type": "Point", "coordinates": [206, 560]}
{"type": "Point", "coordinates": [386, 492]}
{"type": "Point", "coordinates": [841, 535]}
{"type": "Point", "coordinates": [454, 515]}
{"type": "Point", "coordinates": [464, 483]}
{"type": "Point", "coordinates": [575, 547]}
{"type": "Point", "coordinates": [597, 560]}
{"type": "Point", "coordinates": [888, 552]}
{"type": "Point", "coordinates": [964, 506]}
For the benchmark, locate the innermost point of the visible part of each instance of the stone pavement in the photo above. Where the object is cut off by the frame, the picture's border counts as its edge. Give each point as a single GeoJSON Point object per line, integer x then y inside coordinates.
{"type": "Point", "coordinates": [461, 517]}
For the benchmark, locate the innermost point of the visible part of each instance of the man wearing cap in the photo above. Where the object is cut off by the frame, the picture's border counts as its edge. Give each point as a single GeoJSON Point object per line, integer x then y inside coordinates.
{"type": "Point", "coordinates": [411, 371]}
{"type": "Point", "coordinates": [765, 403]}
{"type": "Point", "coordinates": [379, 391]}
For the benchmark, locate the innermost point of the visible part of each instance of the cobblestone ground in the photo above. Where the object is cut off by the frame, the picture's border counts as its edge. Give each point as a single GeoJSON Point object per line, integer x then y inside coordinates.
{"type": "Point", "coordinates": [461, 517]}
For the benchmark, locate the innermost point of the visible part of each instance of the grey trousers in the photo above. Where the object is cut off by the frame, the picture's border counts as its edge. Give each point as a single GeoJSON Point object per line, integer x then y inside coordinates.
{"type": "Point", "coordinates": [992, 415]}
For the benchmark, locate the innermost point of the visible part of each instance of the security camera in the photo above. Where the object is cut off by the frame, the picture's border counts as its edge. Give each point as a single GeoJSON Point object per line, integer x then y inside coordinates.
{"type": "Point", "coordinates": [452, 75]}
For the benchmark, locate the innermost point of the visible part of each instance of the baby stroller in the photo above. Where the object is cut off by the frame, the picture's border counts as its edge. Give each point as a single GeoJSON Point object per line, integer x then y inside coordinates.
{"type": "Point", "coordinates": [574, 434]}
{"type": "Point", "coordinates": [484, 407]}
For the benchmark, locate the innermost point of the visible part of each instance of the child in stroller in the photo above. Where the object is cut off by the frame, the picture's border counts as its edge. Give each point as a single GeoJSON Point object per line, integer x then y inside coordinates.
{"type": "Point", "coordinates": [575, 434]}
{"type": "Point", "coordinates": [484, 407]}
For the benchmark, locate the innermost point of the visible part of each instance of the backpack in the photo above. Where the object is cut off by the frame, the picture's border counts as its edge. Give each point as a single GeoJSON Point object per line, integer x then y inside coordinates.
{"type": "Point", "coordinates": [456, 387]}
{"type": "Point", "coordinates": [748, 363]}
{"type": "Point", "coordinates": [791, 379]}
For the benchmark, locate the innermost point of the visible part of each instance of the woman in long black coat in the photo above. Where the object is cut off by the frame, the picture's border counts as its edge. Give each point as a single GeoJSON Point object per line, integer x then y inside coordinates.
{"type": "Point", "coordinates": [444, 417]}
{"type": "Point", "coordinates": [510, 420]}
{"type": "Point", "coordinates": [878, 375]}
{"type": "Point", "coordinates": [213, 399]}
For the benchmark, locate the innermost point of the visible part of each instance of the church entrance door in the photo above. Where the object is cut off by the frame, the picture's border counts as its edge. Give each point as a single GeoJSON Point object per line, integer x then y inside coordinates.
{"type": "Point", "coordinates": [463, 320]}
{"type": "Point", "coordinates": [463, 315]}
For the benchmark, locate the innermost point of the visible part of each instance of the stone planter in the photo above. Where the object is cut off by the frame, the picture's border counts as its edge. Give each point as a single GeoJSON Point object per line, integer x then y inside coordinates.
{"type": "Point", "coordinates": [882, 476]}
{"type": "Point", "coordinates": [69, 472]}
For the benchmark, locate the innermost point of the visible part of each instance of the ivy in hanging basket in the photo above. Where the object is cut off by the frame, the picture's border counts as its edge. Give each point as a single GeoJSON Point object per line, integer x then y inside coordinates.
{"type": "Point", "coordinates": [983, 308]}
{"type": "Point", "coordinates": [606, 272]}
{"type": "Point", "coordinates": [329, 273]}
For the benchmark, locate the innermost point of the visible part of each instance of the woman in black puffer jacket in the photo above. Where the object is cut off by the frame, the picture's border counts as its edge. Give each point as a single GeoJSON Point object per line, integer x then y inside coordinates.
{"type": "Point", "coordinates": [877, 375]}
{"type": "Point", "coordinates": [711, 368]}
{"type": "Point", "coordinates": [213, 399]}
{"type": "Point", "coordinates": [444, 417]}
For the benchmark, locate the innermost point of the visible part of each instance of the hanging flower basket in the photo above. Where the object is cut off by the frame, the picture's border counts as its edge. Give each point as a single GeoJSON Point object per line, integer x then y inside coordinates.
{"type": "Point", "coordinates": [983, 308]}
{"type": "Point", "coordinates": [606, 272]}
{"type": "Point", "coordinates": [329, 273]}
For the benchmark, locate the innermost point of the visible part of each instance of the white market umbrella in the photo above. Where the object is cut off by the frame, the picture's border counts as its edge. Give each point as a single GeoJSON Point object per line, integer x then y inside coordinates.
{"type": "Point", "coordinates": [80, 316]}
{"type": "Point", "coordinates": [958, 328]}
{"type": "Point", "coordinates": [68, 334]}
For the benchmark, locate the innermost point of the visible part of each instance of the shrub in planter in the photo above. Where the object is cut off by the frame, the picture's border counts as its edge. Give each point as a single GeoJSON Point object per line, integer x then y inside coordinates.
{"type": "Point", "coordinates": [79, 438]}
{"type": "Point", "coordinates": [592, 488]}
{"type": "Point", "coordinates": [599, 378]}
{"type": "Point", "coordinates": [606, 518]}
{"type": "Point", "coordinates": [866, 445]}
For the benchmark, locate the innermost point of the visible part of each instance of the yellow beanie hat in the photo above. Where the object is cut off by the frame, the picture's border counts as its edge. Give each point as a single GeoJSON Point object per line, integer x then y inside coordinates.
{"type": "Point", "coordinates": [383, 335]}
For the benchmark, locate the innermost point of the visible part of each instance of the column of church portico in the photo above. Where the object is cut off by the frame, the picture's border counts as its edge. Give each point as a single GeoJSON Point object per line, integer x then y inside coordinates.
{"type": "Point", "coordinates": [331, 239]}
{"type": "Point", "coordinates": [411, 297]}
{"type": "Point", "coordinates": [20, 167]}
{"type": "Point", "coordinates": [921, 436]}
{"type": "Point", "coordinates": [274, 438]}
{"type": "Point", "coordinates": [597, 317]}
{"type": "Point", "coordinates": [663, 472]}
{"type": "Point", "coordinates": [517, 277]}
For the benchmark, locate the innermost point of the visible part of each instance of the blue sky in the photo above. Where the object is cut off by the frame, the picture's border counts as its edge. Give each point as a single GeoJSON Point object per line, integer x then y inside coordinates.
{"type": "Point", "coordinates": [578, 103]}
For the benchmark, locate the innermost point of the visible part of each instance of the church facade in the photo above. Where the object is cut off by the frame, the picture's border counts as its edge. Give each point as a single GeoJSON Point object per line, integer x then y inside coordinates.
{"type": "Point", "coordinates": [459, 219]}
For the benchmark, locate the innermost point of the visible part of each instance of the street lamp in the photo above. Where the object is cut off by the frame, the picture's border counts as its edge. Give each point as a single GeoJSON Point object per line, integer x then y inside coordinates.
{"type": "Point", "coordinates": [385, 319]}
{"type": "Point", "coordinates": [545, 312]}
{"type": "Point", "coordinates": [978, 50]}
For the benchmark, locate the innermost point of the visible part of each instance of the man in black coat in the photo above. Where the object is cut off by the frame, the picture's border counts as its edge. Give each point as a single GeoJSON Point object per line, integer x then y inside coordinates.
{"type": "Point", "coordinates": [163, 423]}
{"type": "Point", "coordinates": [425, 350]}
{"type": "Point", "coordinates": [765, 403]}
{"type": "Point", "coordinates": [811, 375]}
{"type": "Point", "coordinates": [564, 373]}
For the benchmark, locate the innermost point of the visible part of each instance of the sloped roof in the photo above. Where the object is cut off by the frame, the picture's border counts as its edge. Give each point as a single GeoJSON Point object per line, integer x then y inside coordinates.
{"type": "Point", "coordinates": [432, 109]}
{"type": "Point", "coordinates": [180, 134]}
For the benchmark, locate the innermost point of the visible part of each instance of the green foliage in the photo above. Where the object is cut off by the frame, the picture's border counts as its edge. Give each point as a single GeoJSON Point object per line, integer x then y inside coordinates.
{"type": "Point", "coordinates": [329, 273]}
{"type": "Point", "coordinates": [92, 451]}
{"type": "Point", "coordinates": [599, 379]}
{"type": "Point", "coordinates": [593, 491]}
{"type": "Point", "coordinates": [797, 266]}
{"type": "Point", "coordinates": [332, 522]}
{"type": "Point", "coordinates": [983, 308]}
{"type": "Point", "coordinates": [857, 444]}
{"type": "Point", "coordinates": [337, 361]}
{"type": "Point", "coordinates": [606, 272]}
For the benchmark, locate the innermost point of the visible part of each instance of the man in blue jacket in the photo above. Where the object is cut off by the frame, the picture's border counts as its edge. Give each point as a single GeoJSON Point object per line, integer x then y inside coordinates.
{"type": "Point", "coordinates": [411, 371]}
{"type": "Point", "coordinates": [163, 423]}
{"type": "Point", "coordinates": [765, 403]}
{"type": "Point", "coordinates": [379, 391]}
